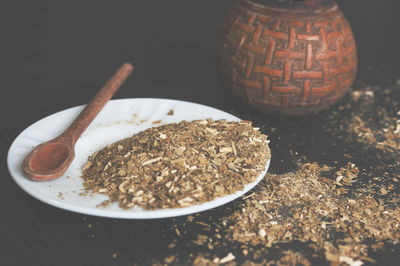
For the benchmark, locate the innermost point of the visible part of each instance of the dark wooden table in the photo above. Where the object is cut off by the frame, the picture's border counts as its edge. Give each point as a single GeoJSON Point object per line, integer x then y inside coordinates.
{"type": "Point", "coordinates": [56, 55]}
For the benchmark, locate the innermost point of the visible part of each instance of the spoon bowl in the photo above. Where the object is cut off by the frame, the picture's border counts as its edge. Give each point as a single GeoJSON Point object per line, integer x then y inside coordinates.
{"type": "Point", "coordinates": [58, 156]}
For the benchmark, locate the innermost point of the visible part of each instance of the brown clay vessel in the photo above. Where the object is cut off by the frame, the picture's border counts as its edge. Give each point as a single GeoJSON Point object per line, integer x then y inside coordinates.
{"type": "Point", "coordinates": [291, 58]}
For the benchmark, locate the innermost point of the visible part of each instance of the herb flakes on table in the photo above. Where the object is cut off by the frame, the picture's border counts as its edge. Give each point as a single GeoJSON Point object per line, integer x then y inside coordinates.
{"type": "Point", "coordinates": [306, 206]}
{"type": "Point", "coordinates": [178, 165]}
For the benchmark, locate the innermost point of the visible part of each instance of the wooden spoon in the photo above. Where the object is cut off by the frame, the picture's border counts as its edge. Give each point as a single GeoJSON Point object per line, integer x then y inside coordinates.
{"type": "Point", "coordinates": [51, 159]}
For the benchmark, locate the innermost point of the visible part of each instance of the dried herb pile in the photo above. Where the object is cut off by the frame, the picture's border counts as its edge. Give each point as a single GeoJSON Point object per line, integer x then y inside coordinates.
{"type": "Point", "coordinates": [306, 206]}
{"type": "Point", "coordinates": [178, 165]}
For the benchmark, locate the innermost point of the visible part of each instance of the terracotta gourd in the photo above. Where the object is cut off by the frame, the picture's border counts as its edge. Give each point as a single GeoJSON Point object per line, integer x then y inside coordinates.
{"type": "Point", "coordinates": [291, 58]}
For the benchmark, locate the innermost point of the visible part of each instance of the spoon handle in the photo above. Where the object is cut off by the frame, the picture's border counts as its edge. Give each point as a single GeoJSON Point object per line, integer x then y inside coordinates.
{"type": "Point", "coordinates": [96, 104]}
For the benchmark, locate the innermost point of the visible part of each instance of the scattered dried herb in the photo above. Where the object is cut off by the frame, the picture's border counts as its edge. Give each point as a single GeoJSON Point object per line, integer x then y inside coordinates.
{"type": "Point", "coordinates": [178, 165]}
{"type": "Point", "coordinates": [347, 174]}
{"type": "Point", "coordinates": [370, 122]}
{"type": "Point", "coordinates": [308, 207]}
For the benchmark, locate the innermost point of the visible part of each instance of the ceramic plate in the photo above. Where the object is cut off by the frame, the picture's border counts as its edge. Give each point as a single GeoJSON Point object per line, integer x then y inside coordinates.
{"type": "Point", "coordinates": [119, 119]}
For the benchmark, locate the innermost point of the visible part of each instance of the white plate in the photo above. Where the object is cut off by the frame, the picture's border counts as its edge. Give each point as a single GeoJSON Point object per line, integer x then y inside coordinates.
{"type": "Point", "coordinates": [119, 119]}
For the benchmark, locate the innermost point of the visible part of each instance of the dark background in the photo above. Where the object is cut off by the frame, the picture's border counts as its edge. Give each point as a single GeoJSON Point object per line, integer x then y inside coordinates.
{"type": "Point", "coordinates": [56, 55]}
